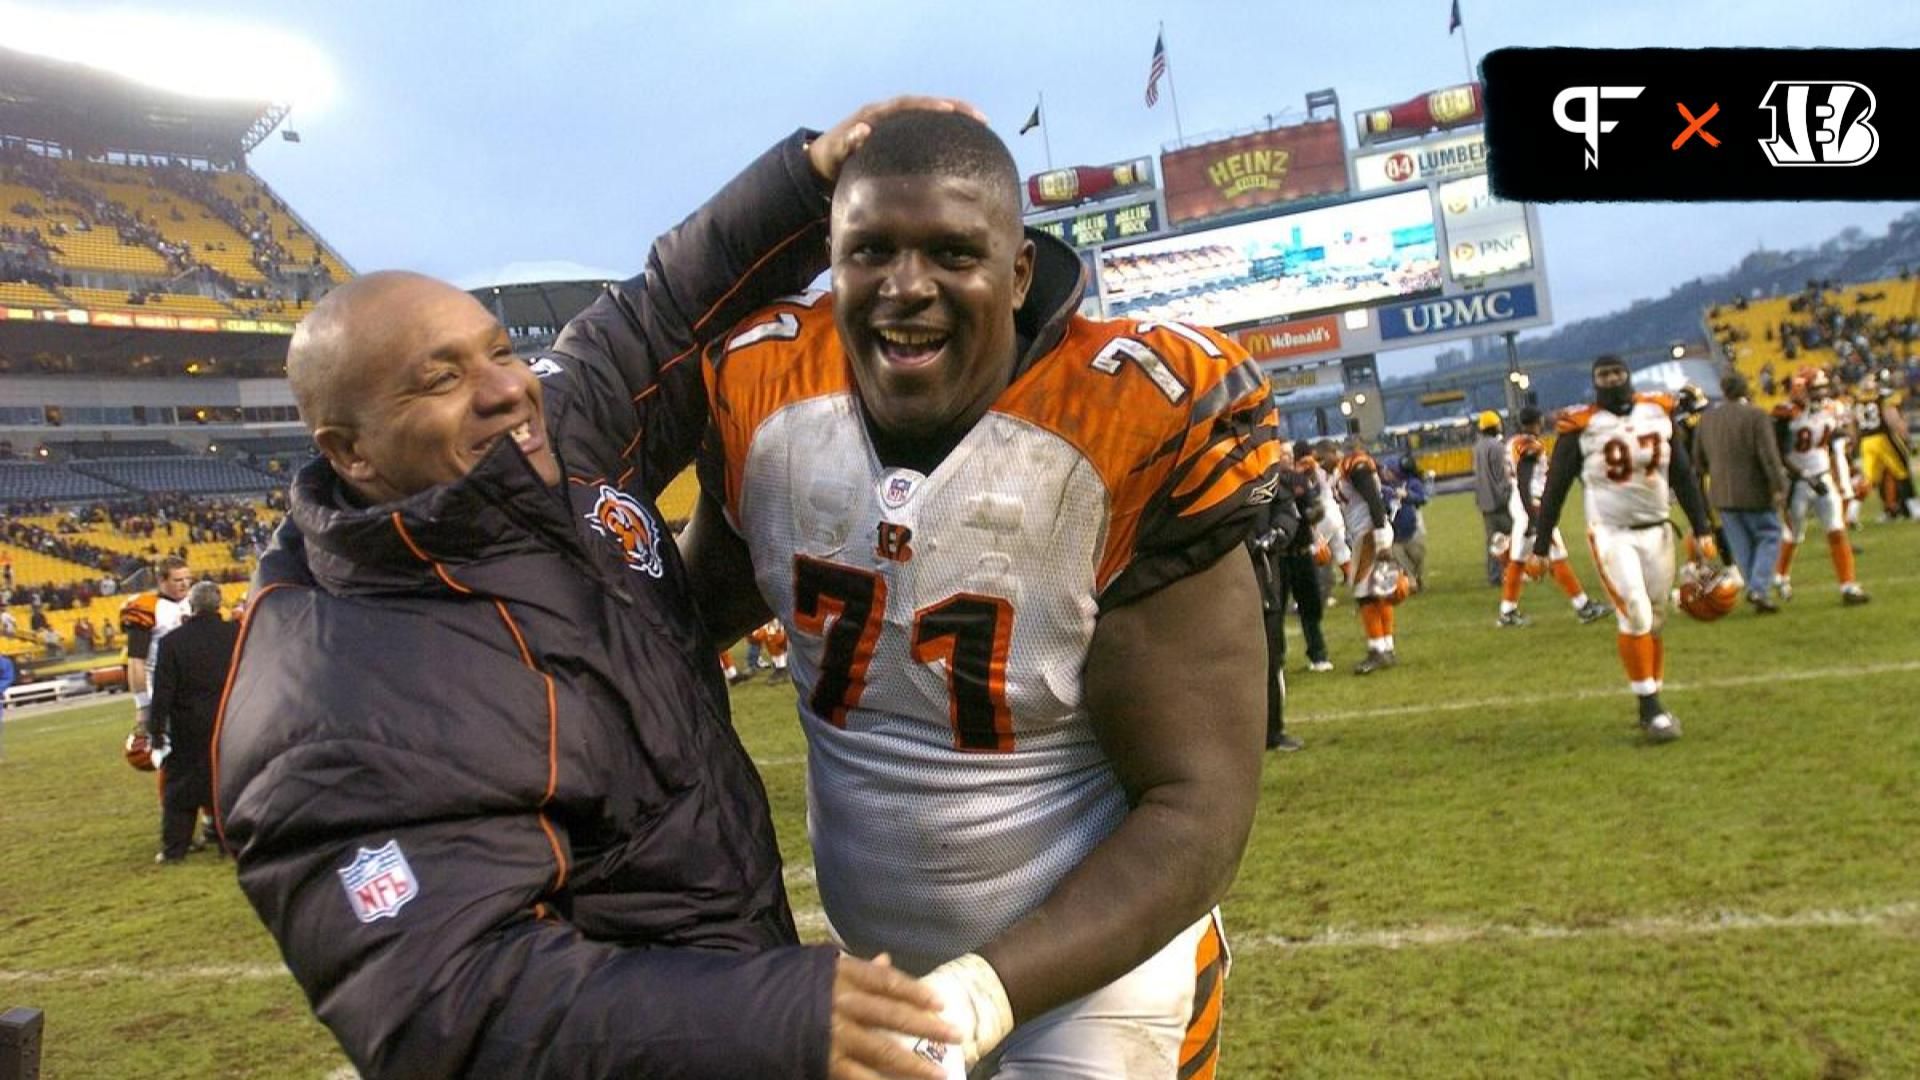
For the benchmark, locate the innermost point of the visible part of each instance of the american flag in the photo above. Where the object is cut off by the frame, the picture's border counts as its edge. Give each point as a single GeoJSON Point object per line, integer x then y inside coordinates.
{"type": "Point", "coordinates": [1158, 69]}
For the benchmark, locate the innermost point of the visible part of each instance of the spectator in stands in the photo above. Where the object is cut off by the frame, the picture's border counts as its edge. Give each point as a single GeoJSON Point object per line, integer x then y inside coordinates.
{"type": "Point", "coordinates": [9, 626]}
{"type": "Point", "coordinates": [1492, 481]}
{"type": "Point", "coordinates": [671, 949]}
{"type": "Point", "coordinates": [83, 635]}
{"type": "Point", "coordinates": [109, 636]}
{"type": "Point", "coordinates": [1746, 483]}
{"type": "Point", "coordinates": [37, 618]}
{"type": "Point", "coordinates": [189, 675]}
{"type": "Point", "coordinates": [50, 642]}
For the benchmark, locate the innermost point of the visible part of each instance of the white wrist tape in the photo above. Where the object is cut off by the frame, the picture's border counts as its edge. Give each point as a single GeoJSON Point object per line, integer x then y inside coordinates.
{"type": "Point", "coordinates": [975, 1002]}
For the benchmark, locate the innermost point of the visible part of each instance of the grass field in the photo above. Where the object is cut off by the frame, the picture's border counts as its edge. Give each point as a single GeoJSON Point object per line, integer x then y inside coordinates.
{"type": "Point", "coordinates": [1475, 869]}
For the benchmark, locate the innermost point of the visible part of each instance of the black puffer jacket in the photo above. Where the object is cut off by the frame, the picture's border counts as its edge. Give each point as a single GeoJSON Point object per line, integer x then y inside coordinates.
{"type": "Point", "coordinates": [476, 758]}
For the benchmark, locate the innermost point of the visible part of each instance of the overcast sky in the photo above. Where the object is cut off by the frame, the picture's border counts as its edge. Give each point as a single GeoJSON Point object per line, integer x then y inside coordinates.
{"type": "Point", "coordinates": [497, 138]}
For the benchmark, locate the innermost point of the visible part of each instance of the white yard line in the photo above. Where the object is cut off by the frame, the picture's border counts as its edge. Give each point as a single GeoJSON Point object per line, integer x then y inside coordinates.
{"type": "Point", "coordinates": [1639, 927]}
{"type": "Point", "coordinates": [812, 921]}
{"type": "Point", "coordinates": [1513, 701]}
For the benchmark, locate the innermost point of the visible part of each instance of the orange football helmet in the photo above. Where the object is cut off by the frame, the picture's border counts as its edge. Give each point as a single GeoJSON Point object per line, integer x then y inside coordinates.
{"type": "Point", "coordinates": [1709, 591]}
{"type": "Point", "coordinates": [139, 751]}
{"type": "Point", "coordinates": [1388, 582]}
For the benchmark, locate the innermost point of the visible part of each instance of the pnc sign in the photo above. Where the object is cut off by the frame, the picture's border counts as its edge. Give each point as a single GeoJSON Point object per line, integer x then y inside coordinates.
{"type": "Point", "coordinates": [1445, 313]}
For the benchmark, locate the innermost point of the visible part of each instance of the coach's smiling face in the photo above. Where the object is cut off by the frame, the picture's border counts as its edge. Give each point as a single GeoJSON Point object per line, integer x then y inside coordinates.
{"type": "Point", "coordinates": [421, 383]}
{"type": "Point", "coordinates": [927, 274]}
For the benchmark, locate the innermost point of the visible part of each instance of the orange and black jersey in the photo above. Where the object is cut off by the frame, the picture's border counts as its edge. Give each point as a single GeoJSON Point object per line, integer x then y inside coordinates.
{"type": "Point", "coordinates": [1175, 423]}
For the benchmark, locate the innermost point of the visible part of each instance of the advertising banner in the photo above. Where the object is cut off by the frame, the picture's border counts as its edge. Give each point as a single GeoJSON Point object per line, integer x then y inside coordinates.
{"type": "Point", "coordinates": [1444, 109]}
{"type": "Point", "coordinates": [1260, 169]}
{"type": "Point", "coordinates": [1435, 159]}
{"type": "Point", "coordinates": [1486, 235]}
{"type": "Point", "coordinates": [1097, 228]}
{"type": "Point", "coordinates": [1471, 311]}
{"type": "Point", "coordinates": [1298, 337]}
{"type": "Point", "coordinates": [1079, 183]}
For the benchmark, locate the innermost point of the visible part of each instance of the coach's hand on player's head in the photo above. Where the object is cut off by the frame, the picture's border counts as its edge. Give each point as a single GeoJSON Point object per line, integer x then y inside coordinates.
{"type": "Point", "coordinates": [837, 143]}
{"type": "Point", "coordinates": [872, 1000]}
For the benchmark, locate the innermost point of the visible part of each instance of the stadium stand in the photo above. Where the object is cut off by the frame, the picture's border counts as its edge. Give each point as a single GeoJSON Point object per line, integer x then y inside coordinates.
{"type": "Point", "coordinates": [191, 475]}
{"type": "Point", "coordinates": [24, 294]}
{"type": "Point", "coordinates": [22, 481]}
{"type": "Point", "coordinates": [119, 448]}
{"type": "Point", "coordinates": [1849, 329]}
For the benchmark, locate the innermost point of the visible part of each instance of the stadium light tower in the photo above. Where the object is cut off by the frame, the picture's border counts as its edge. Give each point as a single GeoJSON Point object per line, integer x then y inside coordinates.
{"type": "Point", "coordinates": [186, 54]}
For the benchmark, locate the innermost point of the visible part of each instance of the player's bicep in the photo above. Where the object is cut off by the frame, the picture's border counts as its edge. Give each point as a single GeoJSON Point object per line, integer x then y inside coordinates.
{"type": "Point", "coordinates": [1175, 684]}
{"type": "Point", "coordinates": [720, 568]}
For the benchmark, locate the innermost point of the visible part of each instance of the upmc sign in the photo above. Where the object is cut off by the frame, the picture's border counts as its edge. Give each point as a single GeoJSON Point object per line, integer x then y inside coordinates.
{"type": "Point", "coordinates": [1260, 169]}
{"type": "Point", "coordinates": [1449, 313]}
{"type": "Point", "coordinates": [1282, 340]}
{"type": "Point", "coordinates": [1436, 159]}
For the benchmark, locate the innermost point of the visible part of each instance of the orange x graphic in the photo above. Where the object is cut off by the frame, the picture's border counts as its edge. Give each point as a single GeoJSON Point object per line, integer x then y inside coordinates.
{"type": "Point", "coordinates": [1697, 125]}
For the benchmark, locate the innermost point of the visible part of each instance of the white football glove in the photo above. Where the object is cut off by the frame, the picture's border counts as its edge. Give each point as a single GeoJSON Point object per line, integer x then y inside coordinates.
{"type": "Point", "coordinates": [975, 1002]}
{"type": "Point", "coordinates": [158, 752]}
{"type": "Point", "coordinates": [1383, 538]}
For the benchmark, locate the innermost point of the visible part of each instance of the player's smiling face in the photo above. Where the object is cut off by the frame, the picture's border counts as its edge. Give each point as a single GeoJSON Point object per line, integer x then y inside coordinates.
{"type": "Point", "coordinates": [927, 274]}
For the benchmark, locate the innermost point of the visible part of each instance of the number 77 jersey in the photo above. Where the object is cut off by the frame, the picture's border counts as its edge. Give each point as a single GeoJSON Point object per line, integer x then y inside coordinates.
{"type": "Point", "coordinates": [940, 622]}
{"type": "Point", "coordinates": [1623, 460]}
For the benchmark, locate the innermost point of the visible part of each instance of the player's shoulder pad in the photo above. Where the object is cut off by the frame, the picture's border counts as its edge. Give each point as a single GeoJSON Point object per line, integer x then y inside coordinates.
{"type": "Point", "coordinates": [140, 611]}
{"type": "Point", "coordinates": [789, 318]}
{"type": "Point", "coordinates": [1574, 419]}
{"type": "Point", "coordinates": [1194, 368]}
{"type": "Point", "coordinates": [1665, 401]}
{"type": "Point", "coordinates": [1785, 410]}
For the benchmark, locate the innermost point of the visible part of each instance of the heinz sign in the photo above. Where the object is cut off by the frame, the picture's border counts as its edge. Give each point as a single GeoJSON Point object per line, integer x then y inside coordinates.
{"type": "Point", "coordinates": [1248, 171]}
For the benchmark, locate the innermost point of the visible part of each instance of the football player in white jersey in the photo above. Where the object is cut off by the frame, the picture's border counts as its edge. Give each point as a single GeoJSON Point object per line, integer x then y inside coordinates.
{"type": "Point", "coordinates": [147, 618]}
{"type": "Point", "coordinates": [1526, 454]}
{"type": "Point", "coordinates": [1811, 426]}
{"type": "Point", "coordinates": [1622, 450]}
{"type": "Point", "coordinates": [1004, 540]}
{"type": "Point", "coordinates": [1375, 575]}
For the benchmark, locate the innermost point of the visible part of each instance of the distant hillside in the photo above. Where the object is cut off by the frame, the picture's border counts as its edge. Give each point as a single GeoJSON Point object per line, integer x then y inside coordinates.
{"type": "Point", "coordinates": [1650, 324]}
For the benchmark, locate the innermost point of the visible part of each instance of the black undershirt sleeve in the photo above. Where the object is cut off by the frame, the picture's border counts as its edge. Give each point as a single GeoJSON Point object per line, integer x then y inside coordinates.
{"type": "Point", "coordinates": [1562, 470]}
{"type": "Point", "coordinates": [1686, 488]}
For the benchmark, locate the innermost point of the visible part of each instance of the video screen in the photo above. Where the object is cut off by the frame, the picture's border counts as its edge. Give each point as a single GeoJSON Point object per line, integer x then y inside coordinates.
{"type": "Point", "coordinates": [1292, 264]}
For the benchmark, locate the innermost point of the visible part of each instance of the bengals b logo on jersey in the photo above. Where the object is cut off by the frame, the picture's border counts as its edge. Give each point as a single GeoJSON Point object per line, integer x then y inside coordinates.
{"type": "Point", "coordinates": [620, 516]}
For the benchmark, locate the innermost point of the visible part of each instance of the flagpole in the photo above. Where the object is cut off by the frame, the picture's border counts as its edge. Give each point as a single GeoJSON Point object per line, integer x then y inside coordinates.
{"type": "Point", "coordinates": [1045, 139]}
{"type": "Point", "coordinates": [1466, 53]}
{"type": "Point", "coordinates": [1172, 93]}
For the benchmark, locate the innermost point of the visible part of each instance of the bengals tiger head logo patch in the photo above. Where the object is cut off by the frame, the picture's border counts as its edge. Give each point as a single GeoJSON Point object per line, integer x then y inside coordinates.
{"type": "Point", "coordinates": [620, 516]}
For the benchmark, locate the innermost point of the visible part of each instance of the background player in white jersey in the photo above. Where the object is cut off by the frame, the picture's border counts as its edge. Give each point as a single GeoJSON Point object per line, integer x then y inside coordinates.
{"type": "Point", "coordinates": [1810, 426]}
{"type": "Point", "coordinates": [1331, 551]}
{"type": "Point", "coordinates": [1527, 455]}
{"type": "Point", "coordinates": [1622, 450]}
{"type": "Point", "coordinates": [147, 618]}
{"type": "Point", "coordinates": [1375, 577]}
{"type": "Point", "coordinates": [1004, 540]}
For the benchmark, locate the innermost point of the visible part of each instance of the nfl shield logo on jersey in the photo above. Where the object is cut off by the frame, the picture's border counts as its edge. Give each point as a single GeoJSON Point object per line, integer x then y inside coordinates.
{"type": "Point", "coordinates": [898, 486]}
{"type": "Point", "coordinates": [379, 882]}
